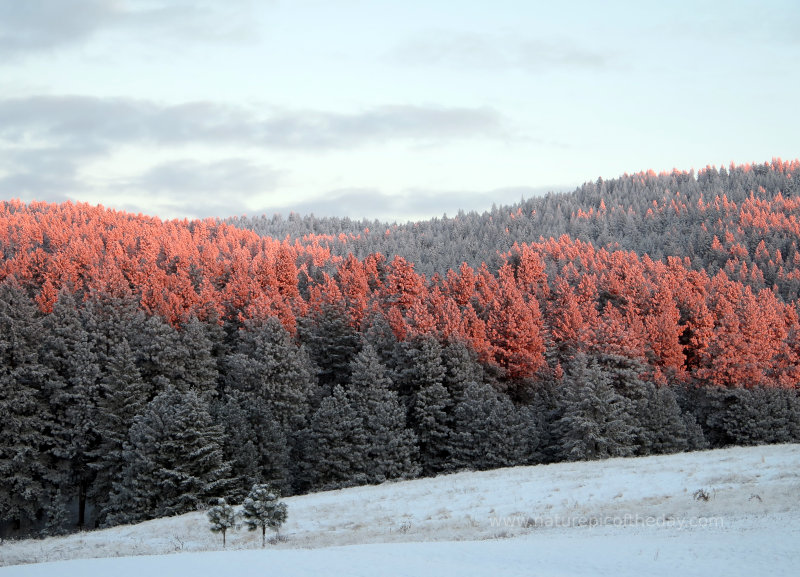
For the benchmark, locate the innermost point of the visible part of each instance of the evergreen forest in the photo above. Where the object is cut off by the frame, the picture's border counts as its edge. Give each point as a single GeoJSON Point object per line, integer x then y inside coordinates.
{"type": "Point", "coordinates": [149, 367]}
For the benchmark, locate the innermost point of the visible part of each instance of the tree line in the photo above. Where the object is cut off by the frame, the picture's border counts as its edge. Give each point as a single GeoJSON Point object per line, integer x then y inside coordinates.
{"type": "Point", "coordinates": [751, 209]}
{"type": "Point", "coordinates": [112, 416]}
{"type": "Point", "coordinates": [151, 366]}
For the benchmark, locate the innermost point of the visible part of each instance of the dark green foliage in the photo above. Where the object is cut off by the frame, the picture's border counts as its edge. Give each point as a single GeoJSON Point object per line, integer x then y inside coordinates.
{"type": "Point", "coordinates": [263, 508]}
{"type": "Point", "coordinates": [430, 421]}
{"type": "Point", "coordinates": [417, 365]}
{"type": "Point", "coordinates": [122, 395]}
{"type": "Point", "coordinates": [391, 450]}
{"type": "Point", "coordinates": [221, 517]}
{"type": "Point", "coordinates": [198, 363]}
{"type": "Point", "coordinates": [597, 421]}
{"type": "Point", "coordinates": [57, 521]}
{"type": "Point", "coordinates": [109, 321]}
{"type": "Point", "coordinates": [337, 444]}
{"type": "Point", "coordinates": [379, 335]}
{"type": "Point", "coordinates": [269, 365]}
{"type": "Point", "coordinates": [461, 368]}
{"type": "Point", "coordinates": [663, 427]}
{"type": "Point", "coordinates": [545, 409]}
{"type": "Point", "coordinates": [750, 416]}
{"type": "Point", "coordinates": [489, 431]}
{"type": "Point", "coordinates": [331, 343]}
{"type": "Point", "coordinates": [174, 460]}
{"type": "Point", "coordinates": [695, 438]}
{"type": "Point", "coordinates": [625, 376]}
{"type": "Point", "coordinates": [160, 354]}
{"type": "Point", "coordinates": [253, 443]}
{"type": "Point", "coordinates": [25, 415]}
{"type": "Point", "coordinates": [72, 391]}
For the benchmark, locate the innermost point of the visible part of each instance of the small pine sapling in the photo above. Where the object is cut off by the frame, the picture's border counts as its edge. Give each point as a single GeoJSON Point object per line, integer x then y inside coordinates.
{"type": "Point", "coordinates": [262, 508]}
{"type": "Point", "coordinates": [222, 517]}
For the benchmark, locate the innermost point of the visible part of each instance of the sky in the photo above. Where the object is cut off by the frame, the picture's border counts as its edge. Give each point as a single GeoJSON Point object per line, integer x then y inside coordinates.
{"type": "Point", "coordinates": [389, 110]}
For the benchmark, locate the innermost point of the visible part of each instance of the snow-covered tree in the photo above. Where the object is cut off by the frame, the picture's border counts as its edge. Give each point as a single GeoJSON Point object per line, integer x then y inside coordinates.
{"type": "Point", "coordinates": [122, 395]}
{"type": "Point", "coordinates": [174, 460]}
{"type": "Point", "coordinates": [488, 430]}
{"type": "Point", "coordinates": [254, 444]}
{"type": "Point", "coordinates": [25, 418]}
{"type": "Point", "coordinates": [263, 508]}
{"type": "Point", "coordinates": [337, 443]}
{"type": "Point", "coordinates": [331, 343]}
{"type": "Point", "coordinates": [391, 447]}
{"type": "Point", "coordinates": [72, 392]}
{"type": "Point", "coordinates": [596, 422]}
{"type": "Point", "coordinates": [430, 421]}
{"type": "Point", "coordinates": [221, 517]}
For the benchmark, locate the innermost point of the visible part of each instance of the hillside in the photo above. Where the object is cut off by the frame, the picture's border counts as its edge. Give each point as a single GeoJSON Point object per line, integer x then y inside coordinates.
{"type": "Point", "coordinates": [619, 516]}
{"type": "Point", "coordinates": [751, 209]}
{"type": "Point", "coordinates": [150, 366]}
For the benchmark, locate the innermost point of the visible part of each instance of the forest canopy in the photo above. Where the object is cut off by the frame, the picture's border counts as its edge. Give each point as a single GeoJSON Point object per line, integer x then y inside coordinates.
{"type": "Point", "coordinates": [152, 366]}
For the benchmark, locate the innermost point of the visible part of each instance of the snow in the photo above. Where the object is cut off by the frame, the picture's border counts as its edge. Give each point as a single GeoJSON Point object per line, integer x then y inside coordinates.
{"type": "Point", "coordinates": [615, 517]}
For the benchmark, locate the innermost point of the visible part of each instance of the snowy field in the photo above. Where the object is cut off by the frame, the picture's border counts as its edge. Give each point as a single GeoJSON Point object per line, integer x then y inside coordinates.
{"type": "Point", "coordinates": [617, 517]}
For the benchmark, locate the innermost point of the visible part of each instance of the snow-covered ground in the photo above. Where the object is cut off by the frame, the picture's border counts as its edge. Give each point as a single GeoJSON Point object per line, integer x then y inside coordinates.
{"type": "Point", "coordinates": [616, 517]}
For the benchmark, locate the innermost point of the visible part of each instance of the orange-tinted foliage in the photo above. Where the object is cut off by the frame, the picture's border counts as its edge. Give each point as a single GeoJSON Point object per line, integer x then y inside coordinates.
{"type": "Point", "coordinates": [682, 322]}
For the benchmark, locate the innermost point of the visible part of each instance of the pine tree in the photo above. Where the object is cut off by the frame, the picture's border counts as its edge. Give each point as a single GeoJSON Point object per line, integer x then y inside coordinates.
{"type": "Point", "coordinates": [488, 430]}
{"type": "Point", "coordinates": [750, 416]}
{"type": "Point", "coordinates": [379, 335]}
{"type": "Point", "coordinates": [337, 444]}
{"type": "Point", "coordinates": [221, 517]}
{"type": "Point", "coordinates": [430, 420]}
{"type": "Point", "coordinates": [110, 320]}
{"type": "Point", "coordinates": [253, 443]}
{"type": "Point", "coordinates": [174, 460]}
{"type": "Point", "coordinates": [331, 343]}
{"type": "Point", "coordinates": [391, 451]}
{"type": "Point", "coordinates": [25, 416]}
{"type": "Point", "coordinates": [417, 364]}
{"type": "Point", "coordinates": [461, 368]}
{"type": "Point", "coordinates": [72, 393]}
{"type": "Point", "coordinates": [198, 362]}
{"type": "Point", "coordinates": [596, 422]}
{"type": "Point", "coordinates": [664, 427]}
{"type": "Point", "coordinates": [122, 395]}
{"type": "Point", "coordinates": [626, 376]}
{"type": "Point", "coordinates": [269, 365]}
{"type": "Point", "coordinates": [160, 355]}
{"type": "Point", "coordinates": [514, 327]}
{"type": "Point", "coordinates": [263, 508]}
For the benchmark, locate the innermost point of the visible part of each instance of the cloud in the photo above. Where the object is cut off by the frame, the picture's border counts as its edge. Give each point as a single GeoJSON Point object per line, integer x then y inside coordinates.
{"type": "Point", "coordinates": [166, 207]}
{"type": "Point", "coordinates": [489, 52]}
{"type": "Point", "coordinates": [28, 27]}
{"type": "Point", "coordinates": [189, 179]}
{"type": "Point", "coordinates": [116, 121]}
{"type": "Point", "coordinates": [31, 185]}
{"type": "Point", "coordinates": [50, 145]}
{"type": "Point", "coordinates": [180, 188]}
{"type": "Point", "coordinates": [311, 129]}
{"type": "Point", "coordinates": [192, 189]}
{"type": "Point", "coordinates": [47, 173]}
{"type": "Point", "coordinates": [35, 25]}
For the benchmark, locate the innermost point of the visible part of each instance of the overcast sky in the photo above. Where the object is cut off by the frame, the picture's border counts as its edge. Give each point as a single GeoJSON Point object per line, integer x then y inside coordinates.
{"type": "Point", "coordinates": [393, 110]}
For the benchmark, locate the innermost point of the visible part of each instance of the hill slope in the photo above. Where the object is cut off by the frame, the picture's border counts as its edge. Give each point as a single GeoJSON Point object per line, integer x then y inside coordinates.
{"type": "Point", "coordinates": [619, 516]}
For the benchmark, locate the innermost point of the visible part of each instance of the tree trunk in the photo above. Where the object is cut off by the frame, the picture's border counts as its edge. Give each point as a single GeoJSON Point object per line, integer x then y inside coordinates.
{"type": "Point", "coordinates": [223, 538]}
{"type": "Point", "coordinates": [81, 504]}
{"type": "Point", "coordinates": [263, 536]}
